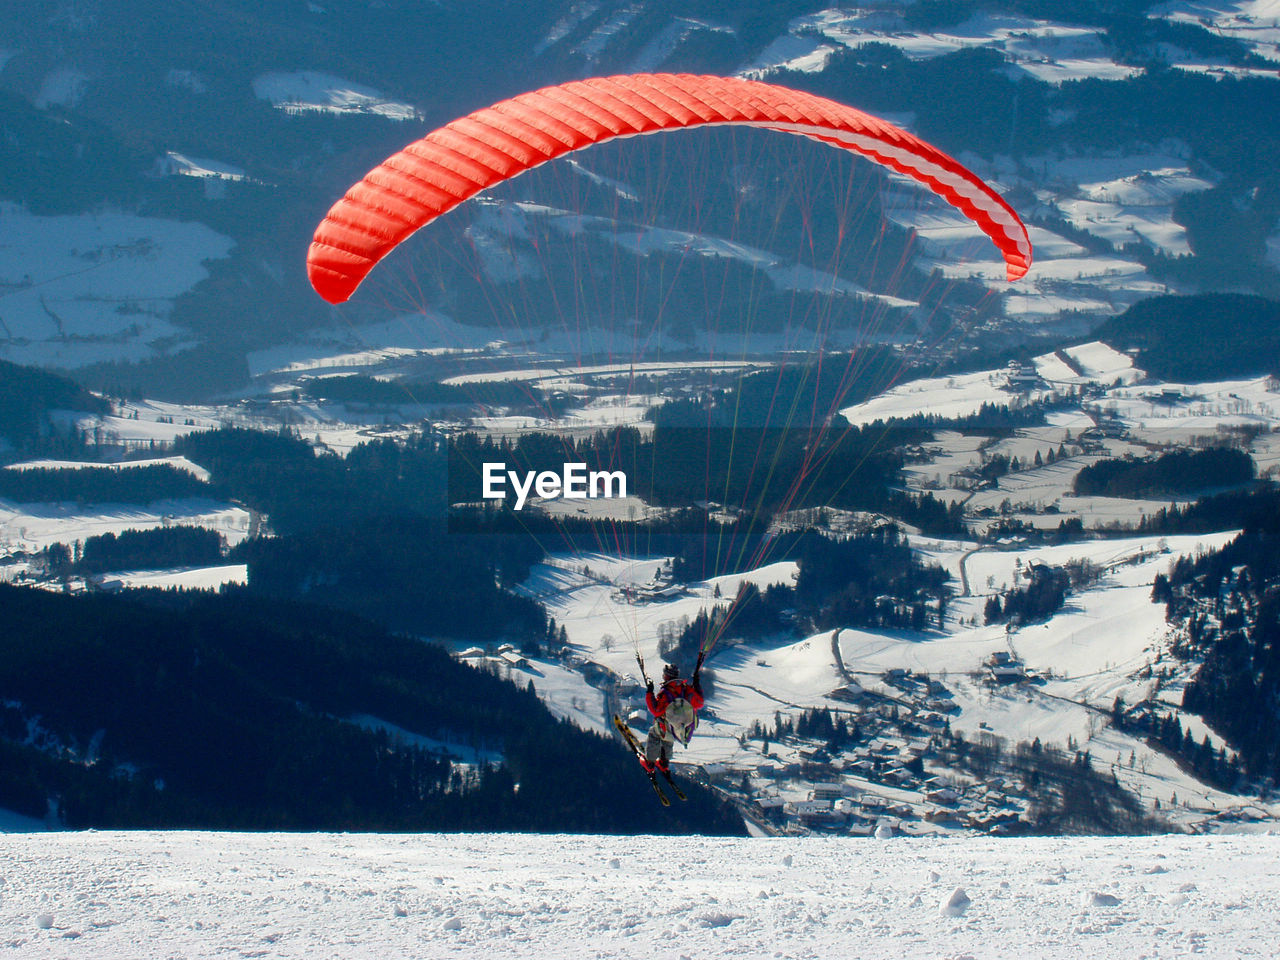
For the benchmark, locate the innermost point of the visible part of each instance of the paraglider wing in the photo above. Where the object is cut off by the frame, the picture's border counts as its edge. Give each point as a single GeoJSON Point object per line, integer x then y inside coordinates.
{"type": "Point", "coordinates": [446, 167]}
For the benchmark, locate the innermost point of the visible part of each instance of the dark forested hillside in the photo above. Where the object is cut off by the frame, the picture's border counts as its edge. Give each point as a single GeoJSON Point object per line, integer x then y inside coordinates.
{"type": "Point", "coordinates": [1228, 603]}
{"type": "Point", "coordinates": [366, 533]}
{"type": "Point", "coordinates": [93, 485]}
{"type": "Point", "coordinates": [874, 580]}
{"type": "Point", "coordinates": [27, 396]}
{"type": "Point", "coordinates": [282, 475]}
{"type": "Point", "coordinates": [763, 445]}
{"type": "Point", "coordinates": [406, 572]}
{"type": "Point", "coordinates": [1180, 471]}
{"type": "Point", "coordinates": [1221, 511]}
{"type": "Point", "coordinates": [233, 711]}
{"type": "Point", "coordinates": [1207, 337]}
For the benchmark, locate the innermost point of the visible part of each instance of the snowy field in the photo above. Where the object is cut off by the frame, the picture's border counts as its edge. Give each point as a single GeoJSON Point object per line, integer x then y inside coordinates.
{"type": "Point", "coordinates": [307, 91]}
{"type": "Point", "coordinates": [133, 896]}
{"type": "Point", "coordinates": [600, 413]}
{"type": "Point", "coordinates": [1176, 413]}
{"type": "Point", "coordinates": [1151, 417]}
{"type": "Point", "coordinates": [1103, 364]}
{"type": "Point", "coordinates": [955, 396]}
{"type": "Point", "coordinates": [1256, 23]}
{"type": "Point", "coordinates": [568, 376]}
{"type": "Point", "coordinates": [31, 527]}
{"type": "Point", "coordinates": [1053, 52]}
{"type": "Point", "coordinates": [964, 394]}
{"type": "Point", "coordinates": [173, 164]}
{"type": "Point", "coordinates": [1065, 276]}
{"type": "Point", "coordinates": [192, 578]}
{"type": "Point", "coordinates": [92, 287]}
{"type": "Point", "coordinates": [144, 425]}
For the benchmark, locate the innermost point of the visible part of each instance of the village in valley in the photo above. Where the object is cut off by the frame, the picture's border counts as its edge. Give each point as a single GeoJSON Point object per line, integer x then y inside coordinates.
{"type": "Point", "coordinates": [956, 727]}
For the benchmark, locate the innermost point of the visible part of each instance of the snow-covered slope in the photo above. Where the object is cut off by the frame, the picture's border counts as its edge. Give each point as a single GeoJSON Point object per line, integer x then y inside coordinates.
{"type": "Point", "coordinates": [113, 896]}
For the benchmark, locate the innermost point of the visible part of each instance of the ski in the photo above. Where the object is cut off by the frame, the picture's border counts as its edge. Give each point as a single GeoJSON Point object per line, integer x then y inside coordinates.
{"type": "Point", "coordinates": [678, 792]}
{"type": "Point", "coordinates": [629, 736]}
{"type": "Point", "coordinates": [662, 797]}
{"type": "Point", "coordinates": [632, 741]}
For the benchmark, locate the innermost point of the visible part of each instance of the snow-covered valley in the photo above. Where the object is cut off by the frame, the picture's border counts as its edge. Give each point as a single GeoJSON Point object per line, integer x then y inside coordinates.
{"type": "Point", "coordinates": [1100, 647]}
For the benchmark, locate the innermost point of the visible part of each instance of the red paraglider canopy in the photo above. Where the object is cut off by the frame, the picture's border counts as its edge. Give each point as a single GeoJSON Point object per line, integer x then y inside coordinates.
{"type": "Point", "coordinates": [448, 166]}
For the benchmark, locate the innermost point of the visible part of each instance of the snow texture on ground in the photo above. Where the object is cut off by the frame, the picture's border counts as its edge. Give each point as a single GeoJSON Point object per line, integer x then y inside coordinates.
{"type": "Point", "coordinates": [175, 164]}
{"type": "Point", "coordinates": [111, 896]}
{"type": "Point", "coordinates": [1173, 413]}
{"type": "Point", "coordinates": [955, 396]}
{"type": "Point", "coordinates": [1256, 23]}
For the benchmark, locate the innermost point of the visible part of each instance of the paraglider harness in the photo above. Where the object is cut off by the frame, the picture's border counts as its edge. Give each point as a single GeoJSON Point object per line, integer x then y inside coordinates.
{"type": "Point", "coordinates": [680, 716]}
{"type": "Point", "coordinates": [679, 719]}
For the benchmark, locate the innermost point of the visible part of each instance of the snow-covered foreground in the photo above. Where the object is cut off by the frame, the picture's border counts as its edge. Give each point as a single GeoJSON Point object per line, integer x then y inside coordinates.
{"type": "Point", "coordinates": [139, 895]}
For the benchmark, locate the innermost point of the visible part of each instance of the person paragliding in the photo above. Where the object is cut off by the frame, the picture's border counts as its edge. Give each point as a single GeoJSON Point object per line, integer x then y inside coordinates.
{"type": "Point", "coordinates": [467, 156]}
{"type": "Point", "coordinates": [675, 715]}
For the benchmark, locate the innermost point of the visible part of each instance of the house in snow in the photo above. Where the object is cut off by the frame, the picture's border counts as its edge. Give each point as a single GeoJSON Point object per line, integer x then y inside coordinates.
{"type": "Point", "coordinates": [897, 775]}
{"type": "Point", "coordinates": [801, 807]}
{"type": "Point", "coordinates": [1005, 668]}
{"type": "Point", "coordinates": [1022, 377]}
{"type": "Point", "coordinates": [769, 806]}
{"type": "Point", "coordinates": [831, 790]}
{"type": "Point", "coordinates": [816, 813]}
{"type": "Point", "coordinates": [514, 659]}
